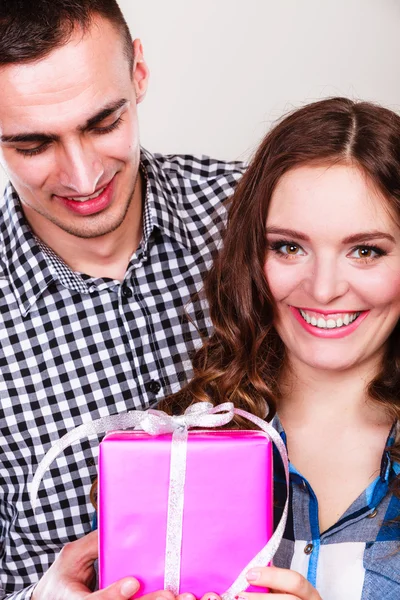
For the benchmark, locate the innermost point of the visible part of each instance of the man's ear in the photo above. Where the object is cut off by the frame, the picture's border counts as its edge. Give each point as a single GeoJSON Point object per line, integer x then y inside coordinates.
{"type": "Point", "coordinates": [140, 75]}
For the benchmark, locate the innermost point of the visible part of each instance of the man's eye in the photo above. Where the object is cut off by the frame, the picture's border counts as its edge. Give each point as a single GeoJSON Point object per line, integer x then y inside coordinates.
{"type": "Point", "coordinates": [108, 128]}
{"type": "Point", "coordinates": [32, 151]}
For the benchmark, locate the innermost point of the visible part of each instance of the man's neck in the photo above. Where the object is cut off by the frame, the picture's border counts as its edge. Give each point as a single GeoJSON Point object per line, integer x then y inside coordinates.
{"type": "Point", "coordinates": [105, 256]}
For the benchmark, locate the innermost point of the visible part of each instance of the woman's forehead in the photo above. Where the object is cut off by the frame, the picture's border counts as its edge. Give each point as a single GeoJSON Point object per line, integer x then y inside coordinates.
{"type": "Point", "coordinates": [329, 198]}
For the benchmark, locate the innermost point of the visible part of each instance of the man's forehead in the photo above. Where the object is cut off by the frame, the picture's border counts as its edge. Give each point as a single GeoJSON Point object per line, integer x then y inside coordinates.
{"type": "Point", "coordinates": [67, 87]}
{"type": "Point", "coordinates": [89, 58]}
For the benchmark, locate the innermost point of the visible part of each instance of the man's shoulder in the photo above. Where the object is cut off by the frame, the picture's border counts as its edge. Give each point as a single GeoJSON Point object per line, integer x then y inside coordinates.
{"type": "Point", "coordinates": [199, 169]}
{"type": "Point", "coordinates": [190, 194]}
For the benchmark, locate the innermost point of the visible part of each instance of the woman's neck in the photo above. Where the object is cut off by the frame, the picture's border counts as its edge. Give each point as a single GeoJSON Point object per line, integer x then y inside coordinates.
{"type": "Point", "coordinates": [312, 396]}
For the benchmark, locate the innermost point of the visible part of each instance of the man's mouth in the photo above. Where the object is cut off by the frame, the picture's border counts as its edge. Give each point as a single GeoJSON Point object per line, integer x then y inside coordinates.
{"type": "Point", "coordinates": [89, 205]}
{"type": "Point", "coordinates": [86, 198]}
{"type": "Point", "coordinates": [328, 321]}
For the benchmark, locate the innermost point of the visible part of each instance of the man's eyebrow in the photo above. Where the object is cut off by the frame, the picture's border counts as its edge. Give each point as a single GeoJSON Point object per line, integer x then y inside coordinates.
{"type": "Point", "coordinates": [105, 112]}
{"type": "Point", "coordinates": [44, 138]}
{"type": "Point", "coordinates": [356, 238]}
{"type": "Point", "coordinates": [29, 137]}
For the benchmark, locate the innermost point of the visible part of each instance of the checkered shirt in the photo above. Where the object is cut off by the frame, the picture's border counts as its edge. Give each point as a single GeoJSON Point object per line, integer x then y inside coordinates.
{"type": "Point", "coordinates": [75, 348]}
{"type": "Point", "coordinates": [358, 558]}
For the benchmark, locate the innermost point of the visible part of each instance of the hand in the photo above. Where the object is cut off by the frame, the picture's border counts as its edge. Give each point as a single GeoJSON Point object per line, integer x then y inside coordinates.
{"type": "Point", "coordinates": [283, 583]}
{"type": "Point", "coordinates": [72, 574]}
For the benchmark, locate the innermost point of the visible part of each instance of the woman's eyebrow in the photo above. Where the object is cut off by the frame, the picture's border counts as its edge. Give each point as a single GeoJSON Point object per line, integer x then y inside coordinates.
{"type": "Point", "coordinates": [368, 235]}
{"type": "Point", "coordinates": [363, 236]}
{"type": "Point", "coordinates": [290, 233]}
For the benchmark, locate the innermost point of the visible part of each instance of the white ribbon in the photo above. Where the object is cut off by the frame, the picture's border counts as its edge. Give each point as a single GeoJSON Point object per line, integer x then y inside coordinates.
{"type": "Point", "coordinates": [156, 422]}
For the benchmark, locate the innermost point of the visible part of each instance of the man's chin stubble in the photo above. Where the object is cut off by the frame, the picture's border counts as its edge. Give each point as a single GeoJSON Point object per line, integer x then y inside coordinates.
{"type": "Point", "coordinates": [87, 232]}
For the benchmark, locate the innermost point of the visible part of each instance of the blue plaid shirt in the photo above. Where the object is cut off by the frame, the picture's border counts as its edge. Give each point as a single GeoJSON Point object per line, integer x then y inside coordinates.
{"type": "Point", "coordinates": [358, 558]}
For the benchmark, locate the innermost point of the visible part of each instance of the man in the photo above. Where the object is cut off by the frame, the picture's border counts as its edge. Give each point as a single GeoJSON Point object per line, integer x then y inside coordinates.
{"type": "Point", "coordinates": [102, 248]}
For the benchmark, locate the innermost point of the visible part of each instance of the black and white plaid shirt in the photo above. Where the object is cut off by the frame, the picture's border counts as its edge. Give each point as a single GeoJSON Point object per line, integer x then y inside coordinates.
{"type": "Point", "coordinates": [74, 348]}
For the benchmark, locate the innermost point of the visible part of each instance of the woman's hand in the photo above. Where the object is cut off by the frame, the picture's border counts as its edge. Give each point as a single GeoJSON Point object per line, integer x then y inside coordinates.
{"type": "Point", "coordinates": [283, 583]}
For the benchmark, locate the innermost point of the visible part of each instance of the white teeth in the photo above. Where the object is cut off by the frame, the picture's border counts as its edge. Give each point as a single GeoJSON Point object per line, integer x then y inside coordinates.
{"type": "Point", "coordinates": [85, 198]}
{"type": "Point", "coordinates": [330, 323]}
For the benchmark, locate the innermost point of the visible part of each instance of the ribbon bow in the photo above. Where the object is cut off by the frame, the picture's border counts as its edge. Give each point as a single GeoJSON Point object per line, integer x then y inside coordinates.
{"type": "Point", "coordinates": [201, 414]}
{"type": "Point", "coordinates": [157, 422]}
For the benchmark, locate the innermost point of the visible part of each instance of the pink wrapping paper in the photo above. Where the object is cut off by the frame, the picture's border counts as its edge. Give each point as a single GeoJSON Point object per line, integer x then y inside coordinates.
{"type": "Point", "coordinates": [227, 507]}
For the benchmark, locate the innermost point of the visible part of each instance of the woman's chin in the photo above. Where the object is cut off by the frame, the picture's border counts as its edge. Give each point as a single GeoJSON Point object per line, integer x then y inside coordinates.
{"type": "Point", "coordinates": [326, 361]}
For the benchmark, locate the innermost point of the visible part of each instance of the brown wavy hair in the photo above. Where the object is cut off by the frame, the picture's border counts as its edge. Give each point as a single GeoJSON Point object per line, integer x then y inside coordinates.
{"type": "Point", "coordinates": [243, 359]}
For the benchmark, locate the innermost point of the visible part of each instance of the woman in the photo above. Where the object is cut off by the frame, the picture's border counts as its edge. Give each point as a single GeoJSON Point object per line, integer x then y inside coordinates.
{"type": "Point", "coordinates": [305, 300]}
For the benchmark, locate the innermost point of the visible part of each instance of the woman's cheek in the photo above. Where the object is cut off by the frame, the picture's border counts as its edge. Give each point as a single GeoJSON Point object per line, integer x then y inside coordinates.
{"type": "Point", "coordinates": [378, 287]}
{"type": "Point", "coordinates": [282, 279]}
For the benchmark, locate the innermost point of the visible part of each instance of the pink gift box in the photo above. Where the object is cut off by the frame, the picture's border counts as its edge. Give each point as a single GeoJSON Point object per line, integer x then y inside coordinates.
{"type": "Point", "coordinates": [227, 515]}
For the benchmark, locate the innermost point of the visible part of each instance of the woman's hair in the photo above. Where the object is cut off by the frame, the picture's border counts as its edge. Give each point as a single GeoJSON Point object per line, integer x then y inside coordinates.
{"type": "Point", "coordinates": [243, 359]}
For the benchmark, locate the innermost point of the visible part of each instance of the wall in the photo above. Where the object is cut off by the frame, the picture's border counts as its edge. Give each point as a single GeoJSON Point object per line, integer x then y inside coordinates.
{"type": "Point", "coordinates": [224, 70]}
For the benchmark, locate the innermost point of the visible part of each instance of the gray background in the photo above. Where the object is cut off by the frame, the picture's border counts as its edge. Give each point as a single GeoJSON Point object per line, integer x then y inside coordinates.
{"type": "Point", "coordinates": [223, 70]}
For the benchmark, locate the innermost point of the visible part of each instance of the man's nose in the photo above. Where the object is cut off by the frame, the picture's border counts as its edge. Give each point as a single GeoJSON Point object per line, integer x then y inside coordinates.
{"type": "Point", "coordinates": [327, 281]}
{"type": "Point", "coordinates": [80, 169]}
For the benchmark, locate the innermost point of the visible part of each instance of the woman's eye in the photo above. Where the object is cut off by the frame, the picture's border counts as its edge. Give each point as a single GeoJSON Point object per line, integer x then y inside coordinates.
{"type": "Point", "coordinates": [291, 249]}
{"type": "Point", "coordinates": [366, 252]}
{"type": "Point", "coordinates": [286, 249]}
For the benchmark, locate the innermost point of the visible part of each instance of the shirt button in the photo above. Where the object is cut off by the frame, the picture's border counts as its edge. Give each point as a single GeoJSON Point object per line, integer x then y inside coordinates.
{"type": "Point", "coordinates": [127, 292]}
{"type": "Point", "coordinates": [373, 514]}
{"type": "Point", "coordinates": [153, 386]}
{"type": "Point", "coordinates": [309, 548]}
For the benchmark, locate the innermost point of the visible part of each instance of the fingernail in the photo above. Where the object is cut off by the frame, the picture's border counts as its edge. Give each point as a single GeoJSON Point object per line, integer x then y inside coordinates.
{"type": "Point", "coordinates": [128, 588]}
{"type": "Point", "coordinates": [253, 575]}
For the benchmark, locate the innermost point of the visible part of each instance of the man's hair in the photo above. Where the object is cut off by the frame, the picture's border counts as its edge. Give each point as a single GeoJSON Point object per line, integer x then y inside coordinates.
{"type": "Point", "coordinates": [31, 29]}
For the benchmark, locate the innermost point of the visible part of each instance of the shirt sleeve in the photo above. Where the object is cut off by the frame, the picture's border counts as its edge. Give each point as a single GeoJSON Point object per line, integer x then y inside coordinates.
{"type": "Point", "coordinates": [25, 594]}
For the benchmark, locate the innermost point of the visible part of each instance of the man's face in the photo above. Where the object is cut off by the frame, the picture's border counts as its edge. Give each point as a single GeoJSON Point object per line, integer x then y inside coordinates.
{"type": "Point", "coordinates": [69, 134]}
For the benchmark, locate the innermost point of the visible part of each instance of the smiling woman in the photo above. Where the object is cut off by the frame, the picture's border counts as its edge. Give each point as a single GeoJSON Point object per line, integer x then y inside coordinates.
{"type": "Point", "coordinates": [305, 301]}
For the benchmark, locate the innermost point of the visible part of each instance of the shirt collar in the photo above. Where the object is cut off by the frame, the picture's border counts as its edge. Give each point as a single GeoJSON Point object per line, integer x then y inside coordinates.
{"type": "Point", "coordinates": [163, 202]}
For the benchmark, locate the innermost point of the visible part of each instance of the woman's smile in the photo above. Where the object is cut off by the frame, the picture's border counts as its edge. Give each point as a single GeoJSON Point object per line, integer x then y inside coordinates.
{"type": "Point", "coordinates": [329, 325]}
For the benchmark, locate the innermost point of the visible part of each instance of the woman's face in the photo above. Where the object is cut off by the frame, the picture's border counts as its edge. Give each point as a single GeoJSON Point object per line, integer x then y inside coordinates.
{"type": "Point", "coordinates": [333, 266]}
